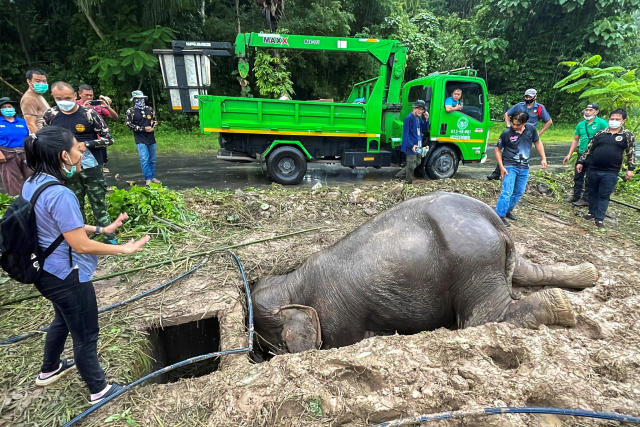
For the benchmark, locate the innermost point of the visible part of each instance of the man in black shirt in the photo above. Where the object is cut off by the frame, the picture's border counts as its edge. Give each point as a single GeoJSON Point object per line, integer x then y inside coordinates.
{"type": "Point", "coordinates": [605, 153]}
{"type": "Point", "coordinates": [141, 119]}
{"type": "Point", "coordinates": [87, 126]}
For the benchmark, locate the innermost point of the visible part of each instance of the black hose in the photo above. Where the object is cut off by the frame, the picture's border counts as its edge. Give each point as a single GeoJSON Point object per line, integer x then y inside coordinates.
{"type": "Point", "coordinates": [16, 338]}
{"type": "Point", "coordinates": [187, 361]}
{"type": "Point", "coordinates": [513, 410]}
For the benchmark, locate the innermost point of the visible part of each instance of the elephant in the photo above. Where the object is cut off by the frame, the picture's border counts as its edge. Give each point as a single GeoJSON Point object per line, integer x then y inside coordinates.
{"type": "Point", "coordinates": [440, 260]}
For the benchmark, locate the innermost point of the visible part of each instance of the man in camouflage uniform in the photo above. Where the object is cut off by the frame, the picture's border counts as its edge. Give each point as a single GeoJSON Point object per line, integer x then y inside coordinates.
{"type": "Point", "coordinates": [605, 153]}
{"type": "Point", "coordinates": [87, 127]}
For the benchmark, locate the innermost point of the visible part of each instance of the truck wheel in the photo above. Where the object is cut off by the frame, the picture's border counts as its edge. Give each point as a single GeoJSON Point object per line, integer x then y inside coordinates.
{"type": "Point", "coordinates": [286, 165]}
{"type": "Point", "coordinates": [442, 163]}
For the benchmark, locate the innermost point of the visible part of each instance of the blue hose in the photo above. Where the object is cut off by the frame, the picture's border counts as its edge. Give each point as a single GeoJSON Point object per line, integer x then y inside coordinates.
{"type": "Point", "coordinates": [187, 361]}
{"type": "Point", "coordinates": [17, 338]}
{"type": "Point", "coordinates": [513, 410]}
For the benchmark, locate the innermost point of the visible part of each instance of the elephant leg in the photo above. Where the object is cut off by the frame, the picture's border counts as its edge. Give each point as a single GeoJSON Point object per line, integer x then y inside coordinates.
{"type": "Point", "coordinates": [483, 299]}
{"type": "Point", "coordinates": [560, 275]}
{"type": "Point", "coordinates": [546, 307]}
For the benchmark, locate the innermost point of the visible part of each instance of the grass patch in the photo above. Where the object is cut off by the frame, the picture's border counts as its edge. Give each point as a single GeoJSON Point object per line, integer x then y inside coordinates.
{"type": "Point", "coordinates": [168, 141]}
{"type": "Point", "coordinates": [558, 133]}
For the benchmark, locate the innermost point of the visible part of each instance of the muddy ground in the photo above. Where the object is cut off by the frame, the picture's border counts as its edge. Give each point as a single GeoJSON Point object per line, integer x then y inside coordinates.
{"type": "Point", "coordinates": [594, 365]}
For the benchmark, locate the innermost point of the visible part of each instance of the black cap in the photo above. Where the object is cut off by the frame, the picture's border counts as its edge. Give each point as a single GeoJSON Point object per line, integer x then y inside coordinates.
{"type": "Point", "coordinates": [594, 106]}
{"type": "Point", "coordinates": [420, 104]}
{"type": "Point", "coordinates": [7, 100]}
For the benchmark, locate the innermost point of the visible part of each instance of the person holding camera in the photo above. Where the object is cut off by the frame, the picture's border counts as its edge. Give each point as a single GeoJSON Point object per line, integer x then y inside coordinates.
{"type": "Point", "coordinates": [102, 105]}
{"type": "Point", "coordinates": [414, 127]}
{"type": "Point", "coordinates": [88, 128]}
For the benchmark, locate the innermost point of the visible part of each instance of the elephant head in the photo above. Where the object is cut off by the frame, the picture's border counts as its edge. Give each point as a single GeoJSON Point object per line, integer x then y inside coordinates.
{"type": "Point", "coordinates": [289, 328]}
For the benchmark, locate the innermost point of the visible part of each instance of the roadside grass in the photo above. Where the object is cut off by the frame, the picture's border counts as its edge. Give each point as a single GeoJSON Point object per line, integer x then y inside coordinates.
{"type": "Point", "coordinates": [558, 133]}
{"type": "Point", "coordinates": [168, 141]}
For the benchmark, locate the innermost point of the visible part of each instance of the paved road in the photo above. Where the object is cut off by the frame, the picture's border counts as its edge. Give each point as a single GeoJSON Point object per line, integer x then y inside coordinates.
{"type": "Point", "coordinates": [186, 171]}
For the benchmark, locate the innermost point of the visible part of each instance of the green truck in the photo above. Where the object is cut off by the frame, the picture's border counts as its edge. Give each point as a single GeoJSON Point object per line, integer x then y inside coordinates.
{"type": "Point", "coordinates": [363, 131]}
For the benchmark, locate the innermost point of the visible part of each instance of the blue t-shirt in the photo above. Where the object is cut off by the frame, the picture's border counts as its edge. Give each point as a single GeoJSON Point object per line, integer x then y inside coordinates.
{"type": "Point", "coordinates": [58, 211]}
{"type": "Point", "coordinates": [531, 111]}
{"type": "Point", "coordinates": [516, 148]}
{"type": "Point", "coordinates": [413, 129]}
{"type": "Point", "coordinates": [12, 134]}
{"type": "Point", "coordinates": [451, 102]}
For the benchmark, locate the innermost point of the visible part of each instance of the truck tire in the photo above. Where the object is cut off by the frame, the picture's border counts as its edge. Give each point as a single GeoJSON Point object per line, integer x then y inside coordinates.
{"type": "Point", "coordinates": [286, 165]}
{"type": "Point", "coordinates": [442, 163]}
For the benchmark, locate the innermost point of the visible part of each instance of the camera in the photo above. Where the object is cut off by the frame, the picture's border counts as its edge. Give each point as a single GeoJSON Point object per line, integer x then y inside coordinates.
{"type": "Point", "coordinates": [95, 102]}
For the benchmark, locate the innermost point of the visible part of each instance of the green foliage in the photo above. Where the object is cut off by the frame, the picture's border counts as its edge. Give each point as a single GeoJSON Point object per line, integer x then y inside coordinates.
{"type": "Point", "coordinates": [315, 406]}
{"type": "Point", "coordinates": [5, 201]}
{"type": "Point", "coordinates": [272, 78]}
{"type": "Point", "coordinates": [611, 87]}
{"type": "Point", "coordinates": [124, 416]}
{"type": "Point", "coordinates": [137, 57]}
{"type": "Point", "coordinates": [142, 203]}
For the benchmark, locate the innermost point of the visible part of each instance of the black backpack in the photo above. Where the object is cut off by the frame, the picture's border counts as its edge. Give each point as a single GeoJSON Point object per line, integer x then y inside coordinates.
{"type": "Point", "coordinates": [20, 254]}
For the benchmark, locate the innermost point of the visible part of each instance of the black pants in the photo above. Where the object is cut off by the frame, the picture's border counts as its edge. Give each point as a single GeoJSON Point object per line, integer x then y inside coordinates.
{"type": "Point", "coordinates": [578, 183]}
{"type": "Point", "coordinates": [600, 185]}
{"type": "Point", "coordinates": [76, 311]}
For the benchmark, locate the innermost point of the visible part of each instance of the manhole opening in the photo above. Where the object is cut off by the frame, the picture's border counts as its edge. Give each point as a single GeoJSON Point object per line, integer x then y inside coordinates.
{"type": "Point", "coordinates": [176, 343]}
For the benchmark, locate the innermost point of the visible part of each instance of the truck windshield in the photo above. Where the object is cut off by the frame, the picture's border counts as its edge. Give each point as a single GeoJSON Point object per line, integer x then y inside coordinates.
{"type": "Point", "coordinates": [472, 98]}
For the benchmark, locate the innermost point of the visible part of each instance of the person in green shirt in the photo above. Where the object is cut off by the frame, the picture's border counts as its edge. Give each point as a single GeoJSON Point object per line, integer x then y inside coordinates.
{"type": "Point", "coordinates": [585, 130]}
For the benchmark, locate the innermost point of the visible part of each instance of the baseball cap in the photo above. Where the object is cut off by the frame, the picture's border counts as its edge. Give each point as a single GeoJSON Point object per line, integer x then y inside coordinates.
{"type": "Point", "coordinates": [7, 100]}
{"type": "Point", "coordinates": [530, 92]}
{"type": "Point", "coordinates": [420, 104]}
{"type": "Point", "coordinates": [593, 105]}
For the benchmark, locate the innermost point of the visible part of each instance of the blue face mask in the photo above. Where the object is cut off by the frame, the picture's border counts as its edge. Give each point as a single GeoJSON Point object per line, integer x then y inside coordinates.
{"type": "Point", "coordinates": [40, 87]}
{"type": "Point", "coordinates": [66, 105]}
{"type": "Point", "coordinates": [9, 112]}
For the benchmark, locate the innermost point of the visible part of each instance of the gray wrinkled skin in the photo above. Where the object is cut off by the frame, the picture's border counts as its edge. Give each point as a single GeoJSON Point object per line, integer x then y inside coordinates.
{"type": "Point", "coordinates": [442, 260]}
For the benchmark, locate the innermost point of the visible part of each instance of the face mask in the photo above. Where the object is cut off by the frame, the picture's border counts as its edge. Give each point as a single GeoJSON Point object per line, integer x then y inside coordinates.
{"type": "Point", "coordinates": [615, 124]}
{"type": "Point", "coordinates": [529, 101]}
{"type": "Point", "coordinates": [66, 105]}
{"type": "Point", "coordinates": [588, 117]}
{"type": "Point", "coordinates": [9, 112]}
{"type": "Point", "coordinates": [139, 103]}
{"type": "Point", "coordinates": [69, 173]}
{"type": "Point", "coordinates": [40, 87]}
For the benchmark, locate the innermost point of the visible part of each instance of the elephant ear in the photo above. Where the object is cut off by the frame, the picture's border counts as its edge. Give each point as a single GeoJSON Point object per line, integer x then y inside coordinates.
{"type": "Point", "coordinates": [300, 327]}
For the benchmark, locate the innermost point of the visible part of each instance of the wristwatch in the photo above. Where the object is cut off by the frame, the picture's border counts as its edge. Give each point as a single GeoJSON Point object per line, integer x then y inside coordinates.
{"type": "Point", "coordinates": [98, 230]}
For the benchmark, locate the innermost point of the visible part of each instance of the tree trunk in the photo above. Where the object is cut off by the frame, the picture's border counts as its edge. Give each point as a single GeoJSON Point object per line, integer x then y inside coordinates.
{"type": "Point", "coordinates": [238, 15]}
{"type": "Point", "coordinates": [93, 24]}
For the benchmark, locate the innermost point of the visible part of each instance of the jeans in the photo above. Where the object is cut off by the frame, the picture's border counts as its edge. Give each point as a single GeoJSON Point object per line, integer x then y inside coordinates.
{"type": "Point", "coordinates": [76, 311]}
{"type": "Point", "coordinates": [513, 186]}
{"type": "Point", "coordinates": [600, 185]}
{"type": "Point", "coordinates": [147, 156]}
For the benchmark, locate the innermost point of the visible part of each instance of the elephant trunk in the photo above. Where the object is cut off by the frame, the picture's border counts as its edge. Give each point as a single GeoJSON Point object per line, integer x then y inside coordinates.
{"type": "Point", "coordinates": [560, 275]}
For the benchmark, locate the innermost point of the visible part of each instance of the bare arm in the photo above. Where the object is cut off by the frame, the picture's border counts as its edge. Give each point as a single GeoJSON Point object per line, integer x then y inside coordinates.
{"type": "Point", "coordinates": [82, 244]}
{"type": "Point", "coordinates": [545, 127]}
{"type": "Point", "coordinates": [498, 154]}
{"type": "Point", "coordinates": [572, 148]}
{"type": "Point", "coordinates": [31, 123]}
{"type": "Point", "coordinates": [506, 120]}
{"type": "Point", "coordinates": [540, 149]}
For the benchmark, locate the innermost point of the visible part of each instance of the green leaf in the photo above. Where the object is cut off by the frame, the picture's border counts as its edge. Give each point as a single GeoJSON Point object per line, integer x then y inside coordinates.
{"type": "Point", "coordinates": [127, 51]}
{"type": "Point", "coordinates": [593, 61]}
{"type": "Point", "coordinates": [138, 63]}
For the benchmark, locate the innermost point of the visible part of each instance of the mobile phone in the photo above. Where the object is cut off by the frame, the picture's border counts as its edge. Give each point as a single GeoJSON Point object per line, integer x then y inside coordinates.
{"type": "Point", "coordinates": [95, 102]}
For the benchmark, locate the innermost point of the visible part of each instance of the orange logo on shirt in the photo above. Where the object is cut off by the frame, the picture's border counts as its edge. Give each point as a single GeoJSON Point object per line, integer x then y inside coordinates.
{"type": "Point", "coordinates": [148, 117]}
{"type": "Point", "coordinates": [80, 127]}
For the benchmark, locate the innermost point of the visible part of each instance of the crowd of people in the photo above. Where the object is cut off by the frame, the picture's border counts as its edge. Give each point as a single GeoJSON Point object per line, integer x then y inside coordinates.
{"type": "Point", "coordinates": [86, 117]}
{"type": "Point", "coordinates": [601, 147]}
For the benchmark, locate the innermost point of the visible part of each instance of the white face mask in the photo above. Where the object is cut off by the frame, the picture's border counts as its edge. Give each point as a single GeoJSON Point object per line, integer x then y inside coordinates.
{"type": "Point", "coordinates": [66, 105]}
{"type": "Point", "coordinates": [588, 118]}
{"type": "Point", "coordinates": [615, 124]}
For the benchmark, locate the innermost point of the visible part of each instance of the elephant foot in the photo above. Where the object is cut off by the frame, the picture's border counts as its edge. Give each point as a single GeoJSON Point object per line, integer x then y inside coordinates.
{"type": "Point", "coordinates": [547, 307]}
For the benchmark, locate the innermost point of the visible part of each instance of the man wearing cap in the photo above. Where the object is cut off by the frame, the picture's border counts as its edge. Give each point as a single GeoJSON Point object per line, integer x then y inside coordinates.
{"type": "Point", "coordinates": [32, 104]}
{"type": "Point", "coordinates": [414, 127]}
{"type": "Point", "coordinates": [141, 119]}
{"type": "Point", "coordinates": [536, 112]}
{"type": "Point", "coordinates": [13, 130]}
{"type": "Point", "coordinates": [585, 130]}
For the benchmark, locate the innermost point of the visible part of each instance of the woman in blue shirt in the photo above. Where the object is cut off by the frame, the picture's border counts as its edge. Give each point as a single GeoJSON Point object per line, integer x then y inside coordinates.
{"type": "Point", "coordinates": [13, 167]}
{"type": "Point", "coordinates": [55, 155]}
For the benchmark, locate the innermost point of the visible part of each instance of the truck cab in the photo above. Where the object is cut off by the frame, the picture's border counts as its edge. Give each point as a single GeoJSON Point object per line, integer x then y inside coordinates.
{"type": "Point", "coordinates": [455, 136]}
